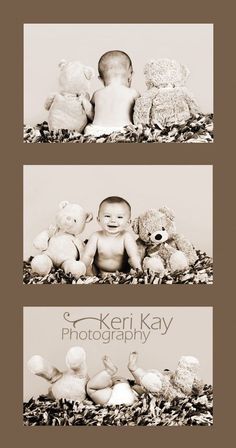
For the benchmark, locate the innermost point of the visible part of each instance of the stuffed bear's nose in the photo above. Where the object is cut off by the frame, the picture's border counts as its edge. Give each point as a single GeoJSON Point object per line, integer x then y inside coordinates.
{"type": "Point", "coordinates": [158, 236]}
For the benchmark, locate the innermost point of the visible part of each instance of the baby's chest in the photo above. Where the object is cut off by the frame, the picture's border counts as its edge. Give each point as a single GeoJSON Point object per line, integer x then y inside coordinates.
{"type": "Point", "coordinates": [111, 247]}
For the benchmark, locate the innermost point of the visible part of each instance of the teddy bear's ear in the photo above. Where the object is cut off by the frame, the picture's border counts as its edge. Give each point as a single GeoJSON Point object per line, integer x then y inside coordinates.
{"type": "Point", "coordinates": [168, 212]}
{"type": "Point", "coordinates": [135, 225]}
{"type": "Point", "coordinates": [89, 72]}
{"type": "Point", "coordinates": [89, 217]}
{"type": "Point", "coordinates": [62, 63]}
{"type": "Point", "coordinates": [63, 204]}
{"type": "Point", "coordinates": [185, 72]}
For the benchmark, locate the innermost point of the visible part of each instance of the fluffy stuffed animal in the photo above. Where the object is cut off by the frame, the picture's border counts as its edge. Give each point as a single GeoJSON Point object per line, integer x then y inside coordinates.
{"type": "Point", "coordinates": [61, 245]}
{"type": "Point", "coordinates": [108, 388]}
{"type": "Point", "coordinates": [71, 384]}
{"type": "Point", "coordinates": [71, 107]}
{"type": "Point", "coordinates": [167, 100]}
{"type": "Point", "coordinates": [160, 247]}
{"type": "Point", "coordinates": [169, 385]}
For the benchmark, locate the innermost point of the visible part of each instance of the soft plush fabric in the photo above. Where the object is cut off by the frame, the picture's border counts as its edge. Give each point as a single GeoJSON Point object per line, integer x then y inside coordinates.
{"type": "Point", "coordinates": [147, 411]}
{"type": "Point", "coordinates": [200, 273]}
{"type": "Point", "coordinates": [198, 129]}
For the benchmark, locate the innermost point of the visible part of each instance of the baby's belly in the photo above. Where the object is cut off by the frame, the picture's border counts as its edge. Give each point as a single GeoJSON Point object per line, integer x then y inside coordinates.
{"type": "Point", "coordinates": [111, 264]}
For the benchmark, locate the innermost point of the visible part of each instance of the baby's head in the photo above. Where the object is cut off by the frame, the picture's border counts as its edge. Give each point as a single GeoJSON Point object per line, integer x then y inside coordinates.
{"type": "Point", "coordinates": [114, 214]}
{"type": "Point", "coordinates": [113, 65]}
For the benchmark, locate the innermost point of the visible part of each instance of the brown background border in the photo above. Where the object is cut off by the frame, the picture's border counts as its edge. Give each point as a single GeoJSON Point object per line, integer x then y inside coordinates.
{"type": "Point", "coordinates": [15, 154]}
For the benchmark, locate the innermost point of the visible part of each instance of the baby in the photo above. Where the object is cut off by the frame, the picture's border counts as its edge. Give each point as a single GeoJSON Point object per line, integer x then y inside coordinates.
{"type": "Point", "coordinates": [113, 248]}
{"type": "Point", "coordinates": [113, 104]}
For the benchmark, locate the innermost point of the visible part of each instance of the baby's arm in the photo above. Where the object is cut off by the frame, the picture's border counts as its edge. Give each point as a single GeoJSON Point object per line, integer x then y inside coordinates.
{"type": "Point", "coordinates": [132, 251]}
{"type": "Point", "coordinates": [89, 253]}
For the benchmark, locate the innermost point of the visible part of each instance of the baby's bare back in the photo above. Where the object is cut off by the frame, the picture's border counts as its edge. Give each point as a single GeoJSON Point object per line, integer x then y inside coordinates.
{"type": "Point", "coordinates": [111, 255]}
{"type": "Point", "coordinates": [114, 105]}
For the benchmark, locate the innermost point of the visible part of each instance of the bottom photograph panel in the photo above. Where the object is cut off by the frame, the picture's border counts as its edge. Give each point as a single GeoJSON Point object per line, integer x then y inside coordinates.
{"type": "Point", "coordinates": [118, 366]}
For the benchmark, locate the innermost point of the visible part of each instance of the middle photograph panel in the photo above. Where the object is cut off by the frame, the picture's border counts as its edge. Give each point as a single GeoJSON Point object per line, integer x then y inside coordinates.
{"type": "Point", "coordinates": [118, 224]}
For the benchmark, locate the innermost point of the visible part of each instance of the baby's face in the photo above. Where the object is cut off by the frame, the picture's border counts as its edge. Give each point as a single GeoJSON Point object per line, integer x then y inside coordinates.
{"type": "Point", "coordinates": [113, 218]}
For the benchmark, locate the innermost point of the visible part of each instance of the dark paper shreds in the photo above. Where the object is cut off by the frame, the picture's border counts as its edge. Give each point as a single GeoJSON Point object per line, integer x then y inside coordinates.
{"type": "Point", "coordinates": [200, 273]}
{"type": "Point", "coordinates": [147, 411]}
{"type": "Point", "coordinates": [198, 129]}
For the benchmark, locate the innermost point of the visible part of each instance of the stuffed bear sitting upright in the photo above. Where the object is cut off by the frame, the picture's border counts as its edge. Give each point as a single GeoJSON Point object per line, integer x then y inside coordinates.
{"type": "Point", "coordinates": [69, 385]}
{"type": "Point", "coordinates": [167, 101]}
{"type": "Point", "coordinates": [61, 245]}
{"type": "Point", "coordinates": [70, 108]}
{"type": "Point", "coordinates": [160, 247]}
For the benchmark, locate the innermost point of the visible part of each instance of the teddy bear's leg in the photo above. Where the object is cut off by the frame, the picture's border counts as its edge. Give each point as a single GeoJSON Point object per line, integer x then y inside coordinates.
{"type": "Point", "coordinates": [99, 387]}
{"type": "Point", "coordinates": [41, 367]}
{"type": "Point", "coordinates": [154, 264]}
{"type": "Point", "coordinates": [186, 373]}
{"type": "Point", "coordinates": [76, 361]}
{"type": "Point", "coordinates": [41, 264]}
{"type": "Point", "coordinates": [76, 268]}
{"type": "Point", "coordinates": [178, 261]}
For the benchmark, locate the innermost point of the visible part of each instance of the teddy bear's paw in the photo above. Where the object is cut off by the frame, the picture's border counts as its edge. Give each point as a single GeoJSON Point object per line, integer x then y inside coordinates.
{"type": "Point", "coordinates": [178, 262]}
{"type": "Point", "coordinates": [41, 264]}
{"type": "Point", "coordinates": [76, 268]}
{"type": "Point", "coordinates": [154, 264]}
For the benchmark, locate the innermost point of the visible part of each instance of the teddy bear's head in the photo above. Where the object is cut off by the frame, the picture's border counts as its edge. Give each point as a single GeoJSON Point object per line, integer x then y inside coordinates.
{"type": "Point", "coordinates": [155, 226]}
{"type": "Point", "coordinates": [75, 77]}
{"type": "Point", "coordinates": [71, 218]}
{"type": "Point", "coordinates": [164, 72]}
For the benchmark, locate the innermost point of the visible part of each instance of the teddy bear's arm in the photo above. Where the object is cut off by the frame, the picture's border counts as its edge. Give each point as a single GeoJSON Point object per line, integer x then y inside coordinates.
{"type": "Point", "coordinates": [132, 251]}
{"type": "Point", "coordinates": [49, 101]}
{"type": "Point", "coordinates": [186, 247]}
{"type": "Point", "coordinates": [88, 107]}
{"type": "Point", "coordinates": [192, 104]}
{"type": "Point", "coordinates": [142, 110]}
{"type": "Point", "coordinates": [80, 246]}
{"type": "Point", "coordinates": [41, 240]}
{"type": "Point", "coordinates": [89, 253]}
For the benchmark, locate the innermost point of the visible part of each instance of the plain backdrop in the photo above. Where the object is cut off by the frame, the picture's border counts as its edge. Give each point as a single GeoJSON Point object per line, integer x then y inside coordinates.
{"type": "Point", "coordinates": [46, 44]}
{"type": "Point", "coordinates": [187, 189]}
{"type": "Point", "coordinates": [189, 334]}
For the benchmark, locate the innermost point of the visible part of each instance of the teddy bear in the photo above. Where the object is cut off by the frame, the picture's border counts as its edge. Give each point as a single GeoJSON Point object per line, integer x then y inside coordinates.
{"type": "Point", "coordinates": [167, 101]}
{"type": "Point", "coordinates": [167, 385]}
{"type": "Point", "coordinates": [70, 108]}
{"type": "Point", "coordinates": [61, 245]}
{"type": "Point", "coordinates": [161, 248]}
{"type": "Point", "coordinates": [69, 385]}
{"type": "Point", "coordinates": [107, 388]}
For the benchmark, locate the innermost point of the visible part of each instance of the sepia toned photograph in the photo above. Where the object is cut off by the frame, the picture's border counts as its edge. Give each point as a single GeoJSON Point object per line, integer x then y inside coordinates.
{"type": "Point", "coordinates": [118, 366]}
{"type": "Point", "coordinates": [118, 83]}
{"type": "Point", "coordinates": [118, 224]}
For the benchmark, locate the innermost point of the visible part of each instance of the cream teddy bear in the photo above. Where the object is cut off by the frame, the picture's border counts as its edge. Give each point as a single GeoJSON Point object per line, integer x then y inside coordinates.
{"type": "Point", "coordinates": [70, 108]}
{"type": "Point", "coordinates": [168, 385]}
{"type": "Point", "coordinates": [61, 245]}
{"type": "Point", "coordinates": [71, 384]}
{"type": "Point", "coordinates": [160, 247]}
{"type": "Point", "coordinates": [167, 101]}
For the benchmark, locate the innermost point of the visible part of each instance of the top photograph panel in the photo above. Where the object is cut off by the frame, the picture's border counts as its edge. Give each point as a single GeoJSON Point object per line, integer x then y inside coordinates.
{"type": "Point", "coordinates": [118, 83]}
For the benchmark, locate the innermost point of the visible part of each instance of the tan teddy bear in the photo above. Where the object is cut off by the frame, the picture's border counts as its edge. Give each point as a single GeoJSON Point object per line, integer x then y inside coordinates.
{"type": "Point", "coordinates": [167, 101]}
{"type": "Point", "coordinates": [61, 245]}
{"type": "Point", "coordinates": [160, 247]}
{"type": "Point", "coordinates": [71, 384]}
{"type": "Point", "coordinates": [70, 108]}
{"type": "Point", "coordinates": [168, 385]}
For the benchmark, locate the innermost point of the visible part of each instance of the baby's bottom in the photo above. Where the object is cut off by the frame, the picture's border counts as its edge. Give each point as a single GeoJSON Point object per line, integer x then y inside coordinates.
{"type": "Point", "coordinates": [99, 388]}
{"type": "Point", "coordinates": [98, 131]}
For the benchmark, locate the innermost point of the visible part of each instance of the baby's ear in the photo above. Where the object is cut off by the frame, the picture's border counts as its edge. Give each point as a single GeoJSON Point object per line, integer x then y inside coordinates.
{"type": "Point", "coordinates": [89, 217]}
{"type": "Point", "coordinates": [63, 204]}
{"type": "Point", "coordinates": [89, 72]}
{"type": "Point", "coordinates": [135, 225]}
